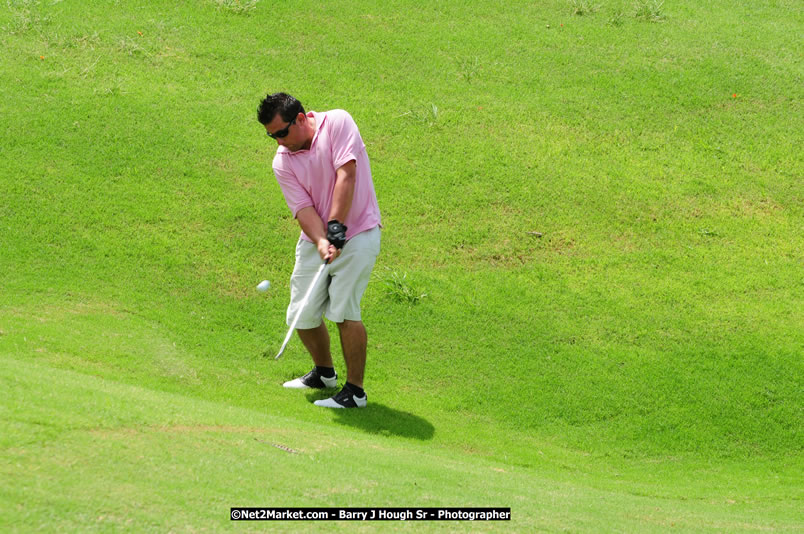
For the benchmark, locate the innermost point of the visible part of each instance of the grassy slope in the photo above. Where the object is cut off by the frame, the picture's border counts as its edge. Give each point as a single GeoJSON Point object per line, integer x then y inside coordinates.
{"type": "Point", "coordinates": [656, 324]}
{"type": "Point", "coordinates": [99, 455]}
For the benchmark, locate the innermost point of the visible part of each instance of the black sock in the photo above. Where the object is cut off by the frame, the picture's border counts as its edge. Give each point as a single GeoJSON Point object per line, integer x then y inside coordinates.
{"type": "Point", "coordinates": [356, 391]}
{"type": "Point", "coordinates": [326, 372]}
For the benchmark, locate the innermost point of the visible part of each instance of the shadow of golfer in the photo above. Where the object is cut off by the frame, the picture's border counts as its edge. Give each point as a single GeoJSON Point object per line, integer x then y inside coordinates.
{"type": "Point", "coordinates": [380, 419]}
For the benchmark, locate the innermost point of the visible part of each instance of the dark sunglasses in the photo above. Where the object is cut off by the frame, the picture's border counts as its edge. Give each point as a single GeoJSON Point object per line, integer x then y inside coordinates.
{"type": "Point", "coordinates": [283, 132]}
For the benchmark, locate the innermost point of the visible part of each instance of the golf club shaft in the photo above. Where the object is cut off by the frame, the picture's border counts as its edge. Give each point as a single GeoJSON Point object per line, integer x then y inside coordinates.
{"type": "Point", "coordinates": [301, 308]}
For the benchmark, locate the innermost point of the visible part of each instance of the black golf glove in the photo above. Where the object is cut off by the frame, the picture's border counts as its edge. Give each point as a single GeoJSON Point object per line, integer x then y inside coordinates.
{"type": "Point", "coordinates": [336, 234]}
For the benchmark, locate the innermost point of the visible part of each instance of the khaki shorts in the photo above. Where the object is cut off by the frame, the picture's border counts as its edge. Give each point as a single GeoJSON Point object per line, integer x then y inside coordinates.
{"type": "Point", "coordinates": [339, 290]}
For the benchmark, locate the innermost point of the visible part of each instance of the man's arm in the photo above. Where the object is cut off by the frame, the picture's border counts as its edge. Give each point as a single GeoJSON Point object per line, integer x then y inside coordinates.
{"type": "Point", "coordinates": [344, 192]}
{"type": "Point", "coordinates": [314, 227]}
{"type": "Point", "coordinates": [311, 223]}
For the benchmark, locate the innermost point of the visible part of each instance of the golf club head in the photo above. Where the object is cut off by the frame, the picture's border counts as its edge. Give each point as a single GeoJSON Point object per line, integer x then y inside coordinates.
{"type": "Point", "coordinates": [281, 351]}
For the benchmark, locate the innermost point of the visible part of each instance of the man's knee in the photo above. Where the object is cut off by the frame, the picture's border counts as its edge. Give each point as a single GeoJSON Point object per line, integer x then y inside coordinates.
{"type": "Point", "coordinates": [347, 324]}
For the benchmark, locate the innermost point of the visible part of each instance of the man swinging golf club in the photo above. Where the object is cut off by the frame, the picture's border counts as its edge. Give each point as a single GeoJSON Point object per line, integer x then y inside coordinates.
{"type": "Point", "coordinates": [323, 170]}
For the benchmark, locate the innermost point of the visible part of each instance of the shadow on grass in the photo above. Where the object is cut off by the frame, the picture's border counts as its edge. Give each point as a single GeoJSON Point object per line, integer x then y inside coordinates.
{"type": "Point", "coordinates": [380, 419]}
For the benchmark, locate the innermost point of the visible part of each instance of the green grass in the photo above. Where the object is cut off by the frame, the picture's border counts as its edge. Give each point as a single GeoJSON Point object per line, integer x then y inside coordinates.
{"type": "Point", "coordinates": [100, 455]}
{"type": "Point", "coordinates": [587, 307]}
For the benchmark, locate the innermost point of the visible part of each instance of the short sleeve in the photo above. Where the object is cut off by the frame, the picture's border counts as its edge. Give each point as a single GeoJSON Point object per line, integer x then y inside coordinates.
{"type": "Point", "coordinates": [296, 197]}
{"type": "Point", "coordinates": [347, 144]}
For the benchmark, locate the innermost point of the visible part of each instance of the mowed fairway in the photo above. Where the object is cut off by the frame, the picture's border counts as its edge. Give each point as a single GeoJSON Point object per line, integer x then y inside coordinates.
{"type": "Point", "coordinates": [588, 306]}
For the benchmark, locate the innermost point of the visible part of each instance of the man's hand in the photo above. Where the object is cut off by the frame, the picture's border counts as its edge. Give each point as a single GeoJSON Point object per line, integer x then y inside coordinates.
{"type": "Point", "coordinates": [327, 250]}
{"type": "Point", "coordinates": [329, 247]}
{"type": "Point", "coordinates": [336, 234]}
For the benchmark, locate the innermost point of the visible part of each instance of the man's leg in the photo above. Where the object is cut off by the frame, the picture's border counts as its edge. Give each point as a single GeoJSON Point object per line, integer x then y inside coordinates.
{"type": "Point", "coordinates": [350, 274]}
{"type": "Point", "coordinates": [316, 340]}
{"type": "Point", "coordinates": [353, 343]}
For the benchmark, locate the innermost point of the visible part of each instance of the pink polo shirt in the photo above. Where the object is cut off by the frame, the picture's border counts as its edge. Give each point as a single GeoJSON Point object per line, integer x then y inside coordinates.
{"type": "Point", "coordinates": [307, 177]}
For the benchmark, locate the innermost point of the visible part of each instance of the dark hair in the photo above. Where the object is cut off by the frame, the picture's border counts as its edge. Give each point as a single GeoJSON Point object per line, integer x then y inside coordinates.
{"type": "Point", "coordinates": [282, 103]}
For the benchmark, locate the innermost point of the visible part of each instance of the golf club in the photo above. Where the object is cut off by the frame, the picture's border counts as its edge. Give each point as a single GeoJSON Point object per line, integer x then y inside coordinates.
{"type": "Point", "coordinates": [301, 307]}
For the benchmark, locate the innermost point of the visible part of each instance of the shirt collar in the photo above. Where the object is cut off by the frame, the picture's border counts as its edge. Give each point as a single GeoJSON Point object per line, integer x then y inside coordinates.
{"type": "Point", "coordinates": [319, 122]}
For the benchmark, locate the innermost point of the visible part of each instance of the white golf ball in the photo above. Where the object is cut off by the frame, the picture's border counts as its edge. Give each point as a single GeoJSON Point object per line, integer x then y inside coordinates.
{"type": "Point", "coordinates": [264, 285]}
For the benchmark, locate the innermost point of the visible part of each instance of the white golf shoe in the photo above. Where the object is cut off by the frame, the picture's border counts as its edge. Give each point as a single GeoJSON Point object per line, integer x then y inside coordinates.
{"type": "Point", "coordinates": [343, 399]}
{"type": "Point", "coordinates": [312, 380]}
